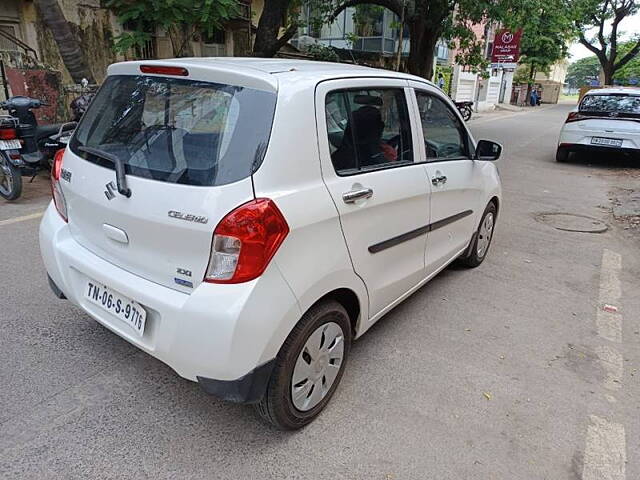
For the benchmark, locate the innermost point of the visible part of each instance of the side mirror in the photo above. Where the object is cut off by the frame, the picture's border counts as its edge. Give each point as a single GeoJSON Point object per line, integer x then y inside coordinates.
{"type": "Point", "coordinates": [488, 150]}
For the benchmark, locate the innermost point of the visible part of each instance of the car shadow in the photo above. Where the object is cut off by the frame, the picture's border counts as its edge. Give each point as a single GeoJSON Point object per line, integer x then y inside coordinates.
{"type": "Point", "coordinates": [608, 161]}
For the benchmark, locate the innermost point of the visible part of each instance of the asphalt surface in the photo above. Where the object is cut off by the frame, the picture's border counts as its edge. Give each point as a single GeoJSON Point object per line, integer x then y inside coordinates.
{"type": "Point", "coordinates": [508, 371]}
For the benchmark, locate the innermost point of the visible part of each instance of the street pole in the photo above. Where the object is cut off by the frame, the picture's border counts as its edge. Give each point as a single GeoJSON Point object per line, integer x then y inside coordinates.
{"type": "Point", "coordinates": [400, 36]}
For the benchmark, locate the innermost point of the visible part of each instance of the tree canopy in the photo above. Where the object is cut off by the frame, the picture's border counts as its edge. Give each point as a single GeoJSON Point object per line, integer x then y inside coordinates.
{"type": "Point", "coordinates": [605, 17]}
{"type": "Point", "coordinates": [181, 19]}
{"type": "Point", "coordinates": [547, 30]}
{"type": "Point", "coordinates": [582, 71]}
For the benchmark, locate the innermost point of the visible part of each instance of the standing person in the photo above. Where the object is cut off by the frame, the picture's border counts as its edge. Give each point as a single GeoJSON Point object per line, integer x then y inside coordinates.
{"type": "Point", "coordinates": [441, 81]}
{"type": "Point", "coordinates": [534, 97]}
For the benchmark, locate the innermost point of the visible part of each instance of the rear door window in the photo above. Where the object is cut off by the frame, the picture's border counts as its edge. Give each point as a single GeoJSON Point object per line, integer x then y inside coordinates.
{"type": "Point", "coordinates": [178, 131]}
{"type": "Point", "coordinates": [368, 129]}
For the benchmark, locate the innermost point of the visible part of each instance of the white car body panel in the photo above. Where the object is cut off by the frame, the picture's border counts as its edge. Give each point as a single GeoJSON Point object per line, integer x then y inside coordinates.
{"type": "Point", "coordinates": [218, 331]}
{"type": "Point", "coordinates": [224, 331]}
{"type": "Point", "coordinates": [400, 197]}
{"type": "Point", "coordinates": [158, 244]}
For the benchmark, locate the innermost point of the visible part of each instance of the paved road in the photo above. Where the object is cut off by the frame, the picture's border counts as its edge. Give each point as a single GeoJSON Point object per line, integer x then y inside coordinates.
{"type": "Point", "coordinates": [509, 371]}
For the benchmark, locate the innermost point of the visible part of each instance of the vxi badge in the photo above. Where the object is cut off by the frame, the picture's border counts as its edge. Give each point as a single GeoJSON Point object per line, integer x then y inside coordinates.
{"type": "Point", "coordinates": [187, 217]}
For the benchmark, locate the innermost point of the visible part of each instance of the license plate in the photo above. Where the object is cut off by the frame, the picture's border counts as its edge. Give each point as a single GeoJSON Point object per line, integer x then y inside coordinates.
{"type": "Point", "coordinates": [10, 145]}
{"type": "Point", "coordinates": [609, 142]}
{"type": "Point", "coordinates": [124, 308]}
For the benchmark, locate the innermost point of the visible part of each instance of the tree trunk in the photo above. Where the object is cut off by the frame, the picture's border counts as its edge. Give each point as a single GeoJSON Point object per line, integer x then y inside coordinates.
{"type": "Point", "coordinates": [181, 36]}
{"type": "Point", "coordinates": [72, 55]}
{"type": "Point", "coordinates": [424, 39]}
{"type": "Point", "coordinates": [608, 72]}
{"type": "Point", "coordinates": [268, 42]}
{"type": "Point", "coordinates": [532, 74]}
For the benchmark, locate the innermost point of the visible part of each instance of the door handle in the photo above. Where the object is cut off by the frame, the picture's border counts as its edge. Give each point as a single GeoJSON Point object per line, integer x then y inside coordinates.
{"type": "Point", "coordinates": [435, 181]}
{"type": "Point", "coordinates": [353, 195]}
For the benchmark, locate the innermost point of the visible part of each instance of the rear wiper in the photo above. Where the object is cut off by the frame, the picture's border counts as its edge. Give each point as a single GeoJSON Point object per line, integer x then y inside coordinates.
{"type": "Point", "coordinates": [121, 178]}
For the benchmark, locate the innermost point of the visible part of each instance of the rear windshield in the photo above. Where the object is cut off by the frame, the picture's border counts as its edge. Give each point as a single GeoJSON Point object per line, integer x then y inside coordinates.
{"type": "Point", "coordinates": [176, 130]}
{"type": "Point", "coordinates": [611, 103]}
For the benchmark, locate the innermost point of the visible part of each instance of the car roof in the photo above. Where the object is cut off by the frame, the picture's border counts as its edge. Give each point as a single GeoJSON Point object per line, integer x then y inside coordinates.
{"type": "Point", "coordinates": [267, 69]}
{"type": "Point", "coordinates": [615, 91]}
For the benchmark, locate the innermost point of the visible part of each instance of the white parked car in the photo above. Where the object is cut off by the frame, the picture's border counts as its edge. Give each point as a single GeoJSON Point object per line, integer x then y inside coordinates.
{"type": "Point", "coordinates": [605, 119]}
{"type": "Point", "coordinates": [244, 220]}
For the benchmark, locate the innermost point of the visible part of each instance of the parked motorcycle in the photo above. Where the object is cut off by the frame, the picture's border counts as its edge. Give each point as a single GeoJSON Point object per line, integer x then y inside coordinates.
{"type": "Point", "coordinates": [465, 109]}
{"type": "Point", "coordinates": [25, 146]}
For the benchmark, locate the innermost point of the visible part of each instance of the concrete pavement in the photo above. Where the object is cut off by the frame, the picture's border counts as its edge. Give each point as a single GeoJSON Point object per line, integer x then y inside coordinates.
{"type": "Point", "coordinates": [525, 368]}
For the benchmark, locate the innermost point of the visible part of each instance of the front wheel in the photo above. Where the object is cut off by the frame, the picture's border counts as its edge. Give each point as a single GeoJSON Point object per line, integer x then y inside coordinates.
{"type": "Point", "coordinates": [308, 367]}
{"type": "Point", "coordinates": [482, 239]}
{"type": "Point", "coordinates": [10, 179]}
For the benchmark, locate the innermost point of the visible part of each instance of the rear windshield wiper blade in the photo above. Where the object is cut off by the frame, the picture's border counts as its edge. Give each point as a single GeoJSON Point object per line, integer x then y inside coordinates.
{"type": "Point", "coordinates": [121, 178]}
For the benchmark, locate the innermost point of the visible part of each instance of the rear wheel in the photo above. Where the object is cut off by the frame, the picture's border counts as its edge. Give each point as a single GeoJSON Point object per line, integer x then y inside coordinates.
{"type": "Point", "coordinates": [308, 367]}
{"type": "Point", "coordinates": [466, 113]}
{"type": "Point", "coordinates": [10, 179]}
{"type": "Point", "coordinates": [482, 240]}
{"type": "Point", "coordinates": [562, 155]}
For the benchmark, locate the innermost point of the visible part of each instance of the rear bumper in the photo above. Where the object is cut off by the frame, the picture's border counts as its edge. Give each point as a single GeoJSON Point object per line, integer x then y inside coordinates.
{"type": "Point", "coordinates": [223, 336]}
{"type": "Point", "coordinates": [574, 137]}
{"type": "Point", "coordinates": [581, 147]}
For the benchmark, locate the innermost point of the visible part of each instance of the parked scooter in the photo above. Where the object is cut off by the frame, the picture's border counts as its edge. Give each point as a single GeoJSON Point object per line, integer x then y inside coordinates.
{"type": "Point", "coordinates": [465, 109]}
{"type": "Point", "coordinates": [25, 146]}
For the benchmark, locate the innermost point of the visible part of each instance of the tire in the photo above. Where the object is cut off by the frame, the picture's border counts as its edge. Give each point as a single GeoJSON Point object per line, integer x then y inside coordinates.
{"type": "Point", "coordinates": [562, 155]}
{"type": "Point", "coordinates": [10, 179]}
{"type": "Point", "coordinates": [477, 254]}
{"type": "Point", "coordinates": [466, 114]}
{"type": "Point", "coordinates": [278, 405]}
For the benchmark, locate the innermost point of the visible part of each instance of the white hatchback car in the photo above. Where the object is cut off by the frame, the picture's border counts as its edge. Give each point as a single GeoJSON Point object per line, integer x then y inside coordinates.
{"type": "Point", "coordinates": [605, 119]}
{"type": "Point", "coordinates": [243, 220]}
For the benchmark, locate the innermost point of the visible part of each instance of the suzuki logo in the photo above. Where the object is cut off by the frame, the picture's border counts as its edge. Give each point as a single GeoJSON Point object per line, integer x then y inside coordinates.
{"type": "Point", "coordinates": [110, 191]}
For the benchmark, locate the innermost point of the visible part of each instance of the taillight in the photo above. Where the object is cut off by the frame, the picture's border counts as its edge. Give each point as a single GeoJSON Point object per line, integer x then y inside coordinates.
{"type": "Point", "coordinates": [56, 188]}
{"type": "Point", "coordinates": [8, 133]}
{"type": "Point", "coordinates": [245, 241]}
{"type": "Point", "coordinates": [574, 117]}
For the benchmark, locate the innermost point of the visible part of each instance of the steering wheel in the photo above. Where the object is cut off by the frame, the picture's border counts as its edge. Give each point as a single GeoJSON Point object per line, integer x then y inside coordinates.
{"type": "Point", "coordinates": [449, 150]}
{"type": "Point", "coordinates": [431, 149]}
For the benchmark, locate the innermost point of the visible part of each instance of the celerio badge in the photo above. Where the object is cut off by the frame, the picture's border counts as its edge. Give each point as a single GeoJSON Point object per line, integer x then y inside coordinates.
{"type": "Point", "coordinates": [187, 217]}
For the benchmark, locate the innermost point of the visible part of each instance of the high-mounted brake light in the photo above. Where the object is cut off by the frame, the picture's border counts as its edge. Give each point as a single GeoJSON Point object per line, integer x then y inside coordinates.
{"type": "Point", "coordinates": [56, 188]}
{"type": "Point", "coordinates": [8, 133]}
{"type": "Point", "coordinates": [164, 70]}
{"type": "Point", "coordinates": [245, 241]}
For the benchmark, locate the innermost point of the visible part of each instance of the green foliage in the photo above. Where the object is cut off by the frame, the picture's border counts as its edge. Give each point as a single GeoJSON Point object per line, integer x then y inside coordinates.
{"type": "Point", "coordinates": [365, 18]}
{"type": "Point", "coordinates": [180, 18]}
{"type": "Point", "coordinates": [320, 52]}
{"type": "Point", "coordinates": [446, 75]}
{"type": "Point", "coordinates": [604, 17]}
{"type": "Point", "coordinates": [547, 30]}
{"type": "Point", "coordinates": [582, 71]}
{"type": "Point", "coordinates": [632, 69]}
{"type": "Point", "coordinates": [351, 38]}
